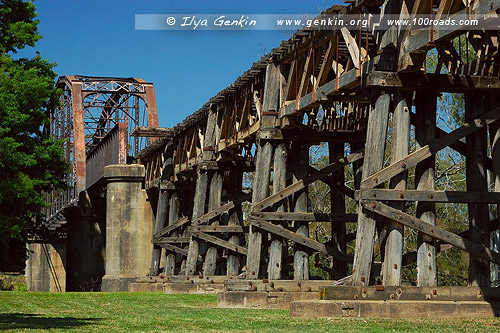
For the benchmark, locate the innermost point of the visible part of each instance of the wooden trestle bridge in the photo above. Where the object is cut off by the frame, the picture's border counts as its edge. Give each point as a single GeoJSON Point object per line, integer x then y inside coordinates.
{"type": "Point", "coordinates": [363, 93]}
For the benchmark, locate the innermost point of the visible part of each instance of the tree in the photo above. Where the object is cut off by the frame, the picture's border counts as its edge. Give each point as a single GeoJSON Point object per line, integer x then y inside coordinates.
{"type": "Point", "coordinates": [30, 160]}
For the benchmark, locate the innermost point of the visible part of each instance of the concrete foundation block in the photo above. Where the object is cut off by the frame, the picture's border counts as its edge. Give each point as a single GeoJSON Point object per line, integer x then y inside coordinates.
{"type": "Point", "coordinates": [262, 299]}
{"type": "Point", "coordinates": [141, 286]}
{"type": "Point", "coordinates": [193, 288]}
{"type": "Point", "coordinates": [394, 309]}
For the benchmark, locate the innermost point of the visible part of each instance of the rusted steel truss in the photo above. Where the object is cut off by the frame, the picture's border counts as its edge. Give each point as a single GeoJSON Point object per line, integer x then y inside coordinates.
{"type": "Point", "coordinates": [95, 118]}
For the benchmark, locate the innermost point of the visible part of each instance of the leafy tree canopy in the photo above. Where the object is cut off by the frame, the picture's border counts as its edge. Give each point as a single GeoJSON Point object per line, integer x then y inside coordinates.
{"type": "Point", "coordinates": [30, 161]}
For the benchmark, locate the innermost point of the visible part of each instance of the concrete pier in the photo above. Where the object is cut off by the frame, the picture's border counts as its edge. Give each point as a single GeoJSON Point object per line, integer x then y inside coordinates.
{"type": "Point", "coordinates": [45, 267]}
{"type": "Point", "coordinates": [129, 227]}
{"type": "Point", "coordinates": [85, 247]}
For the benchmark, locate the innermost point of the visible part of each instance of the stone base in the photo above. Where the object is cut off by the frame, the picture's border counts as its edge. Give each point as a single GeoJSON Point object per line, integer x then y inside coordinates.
{"type": "Point", "coordinates": [262, 299]}
{"type": "Point", "coordinates": [116, 283]}
{"type": "Point", "coordinates": [193, 288]}
{"type": "Point", "coordinates": [142, 286]}
{"type": "Point", "coordinates": [394, 309]}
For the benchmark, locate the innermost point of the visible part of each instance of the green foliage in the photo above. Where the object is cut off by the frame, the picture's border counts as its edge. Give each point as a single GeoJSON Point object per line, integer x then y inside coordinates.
{"type": "Point", "coordinates": [30, 160]}
{"type": "Point", "coordinates": [12, 282]}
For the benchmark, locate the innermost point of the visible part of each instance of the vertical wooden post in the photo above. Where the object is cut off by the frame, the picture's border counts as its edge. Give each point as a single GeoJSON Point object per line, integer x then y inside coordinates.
{"type": "Point", "coordinates": [395, 231]}
{"type": "Point", "coordinates": [256, 239]}
{"type": "Point", "coordinates": [161, 218]}
{"type": "Point", "coordinates": [425, 133]}
{"type": "Point", "coordinates": [187, 210]}
{"type": "Point", "coordinates": [214, 202]}
{"type": "Point", "coordinates": [494, 130]}
{"type": "Point", "coordinates": [357, 167]}
{"type": "Point", "coordinates": [200, 196]}
{"type": "Point", "coordinates": [476, 159]}
{"type": "Point", "coordinates": [235, 218]}
{"type": "Point", "coordinates": [337, 203]}
{"type": "Point", "coordinates": [279, 182]}
{"type": "Point", "coordinates": [173, 216]}
{"type": "Point", "coordinates": [300, 168]}
{"type": "Point", "coordinates": [372, 162]}
{"type": "Point", "coordinates": [260, 192]}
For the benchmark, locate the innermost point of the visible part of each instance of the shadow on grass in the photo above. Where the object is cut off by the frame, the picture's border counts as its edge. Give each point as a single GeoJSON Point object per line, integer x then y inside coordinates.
{"type": "Point", "coordinates": [10, 321]}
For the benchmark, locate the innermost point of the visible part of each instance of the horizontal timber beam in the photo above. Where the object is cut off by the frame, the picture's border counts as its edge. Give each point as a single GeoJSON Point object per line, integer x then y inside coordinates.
{"type": "Point", "coordinates": [441, 82]}
{"type": "Point", "coordinates": [430, 196]}
{"type": "Point", "coordinates": [432, 230]}
{"type": "Point", "coordinates": [305, 217]}
{"type": "Point", "coordinates": [169, 240]}
{"type": "Point", "coordinates": [216, 228]}
{"type": "Point", "coordinates": [152, 132]}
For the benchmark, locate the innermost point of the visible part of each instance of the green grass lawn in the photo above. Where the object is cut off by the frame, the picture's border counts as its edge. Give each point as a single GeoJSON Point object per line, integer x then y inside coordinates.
{"type": "Point", "coordinates": [150, 311]}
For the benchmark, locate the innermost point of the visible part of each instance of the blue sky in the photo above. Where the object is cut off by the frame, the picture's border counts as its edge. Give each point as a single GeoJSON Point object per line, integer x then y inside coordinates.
{"type": "Point", "coordinates": [98, 38]}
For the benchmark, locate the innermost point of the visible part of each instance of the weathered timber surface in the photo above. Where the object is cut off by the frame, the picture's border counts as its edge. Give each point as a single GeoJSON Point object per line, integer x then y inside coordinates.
{"type": "Point", "coordinates": [305, 217]}
{"type": "Point", "coordinates": [259, 192]}
{"type": "Point", "coordinates": [425, 133]}
{"type": "Point", "coordinates": [476, 178]}
{"type": "Point", "coordinates": [217, 228]}
{"type": "Point", "coordinates": [409, 293]}
{"type": "Point", "coordinates": [301, 184]}
{"type": "Point", "coordinates": [420, 40]}
{"type": "Point", "coordinates": [235, 221]}
{"type": "Point", "coordinates": [494, 134]}
{"type": "Point", "coordinates": [459, 146]}
{"type": "Point", "coordinates": [337, 203]}
{"type": "Point", "coordinates": [256, 240]}
{"type": "Point", "coordinates": [152, 131]}
{"type": "Point", "coordinates": [171, 240]}
{"type": "Point", "coordinates": [430, 149]}
{"type": "Point", "coordinates": [173, 216]}
{"type": "Point", "coordinates": [161, 218]}
{"type": "Point", "coordinates": [214, 202]}
{"type": "Point", "coordinates": [373, 162]}
{"type": "Point", "coordinates": [302, 240]}
{"type": "Point", "coordinates": [347, 80]}
{"type": "Point", "coordinates": [429, 195]}
{"type": "Point", "coordinates": [222, 209]}
{"type": "Point", "coordinates": [300, 161]}
{"type": "Point", "coordinates": [172, 227]}
{"type": "Point", "coordinates": [173, 248]}
{"type": "Point", "coordinates": [198, 210]}
{"type": "Point", "coordinates": [432, 231]}
{"type": "Point", "coordinates": [278, 245]}
{"type": "Point", "coordinates": [220, 242]}
{"type": "Point", "coordinates": [430, 81]}
{"type": "Point", "coordinates": [276, 285]}
{"type": "Point", "coordinates": [395, 231]}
